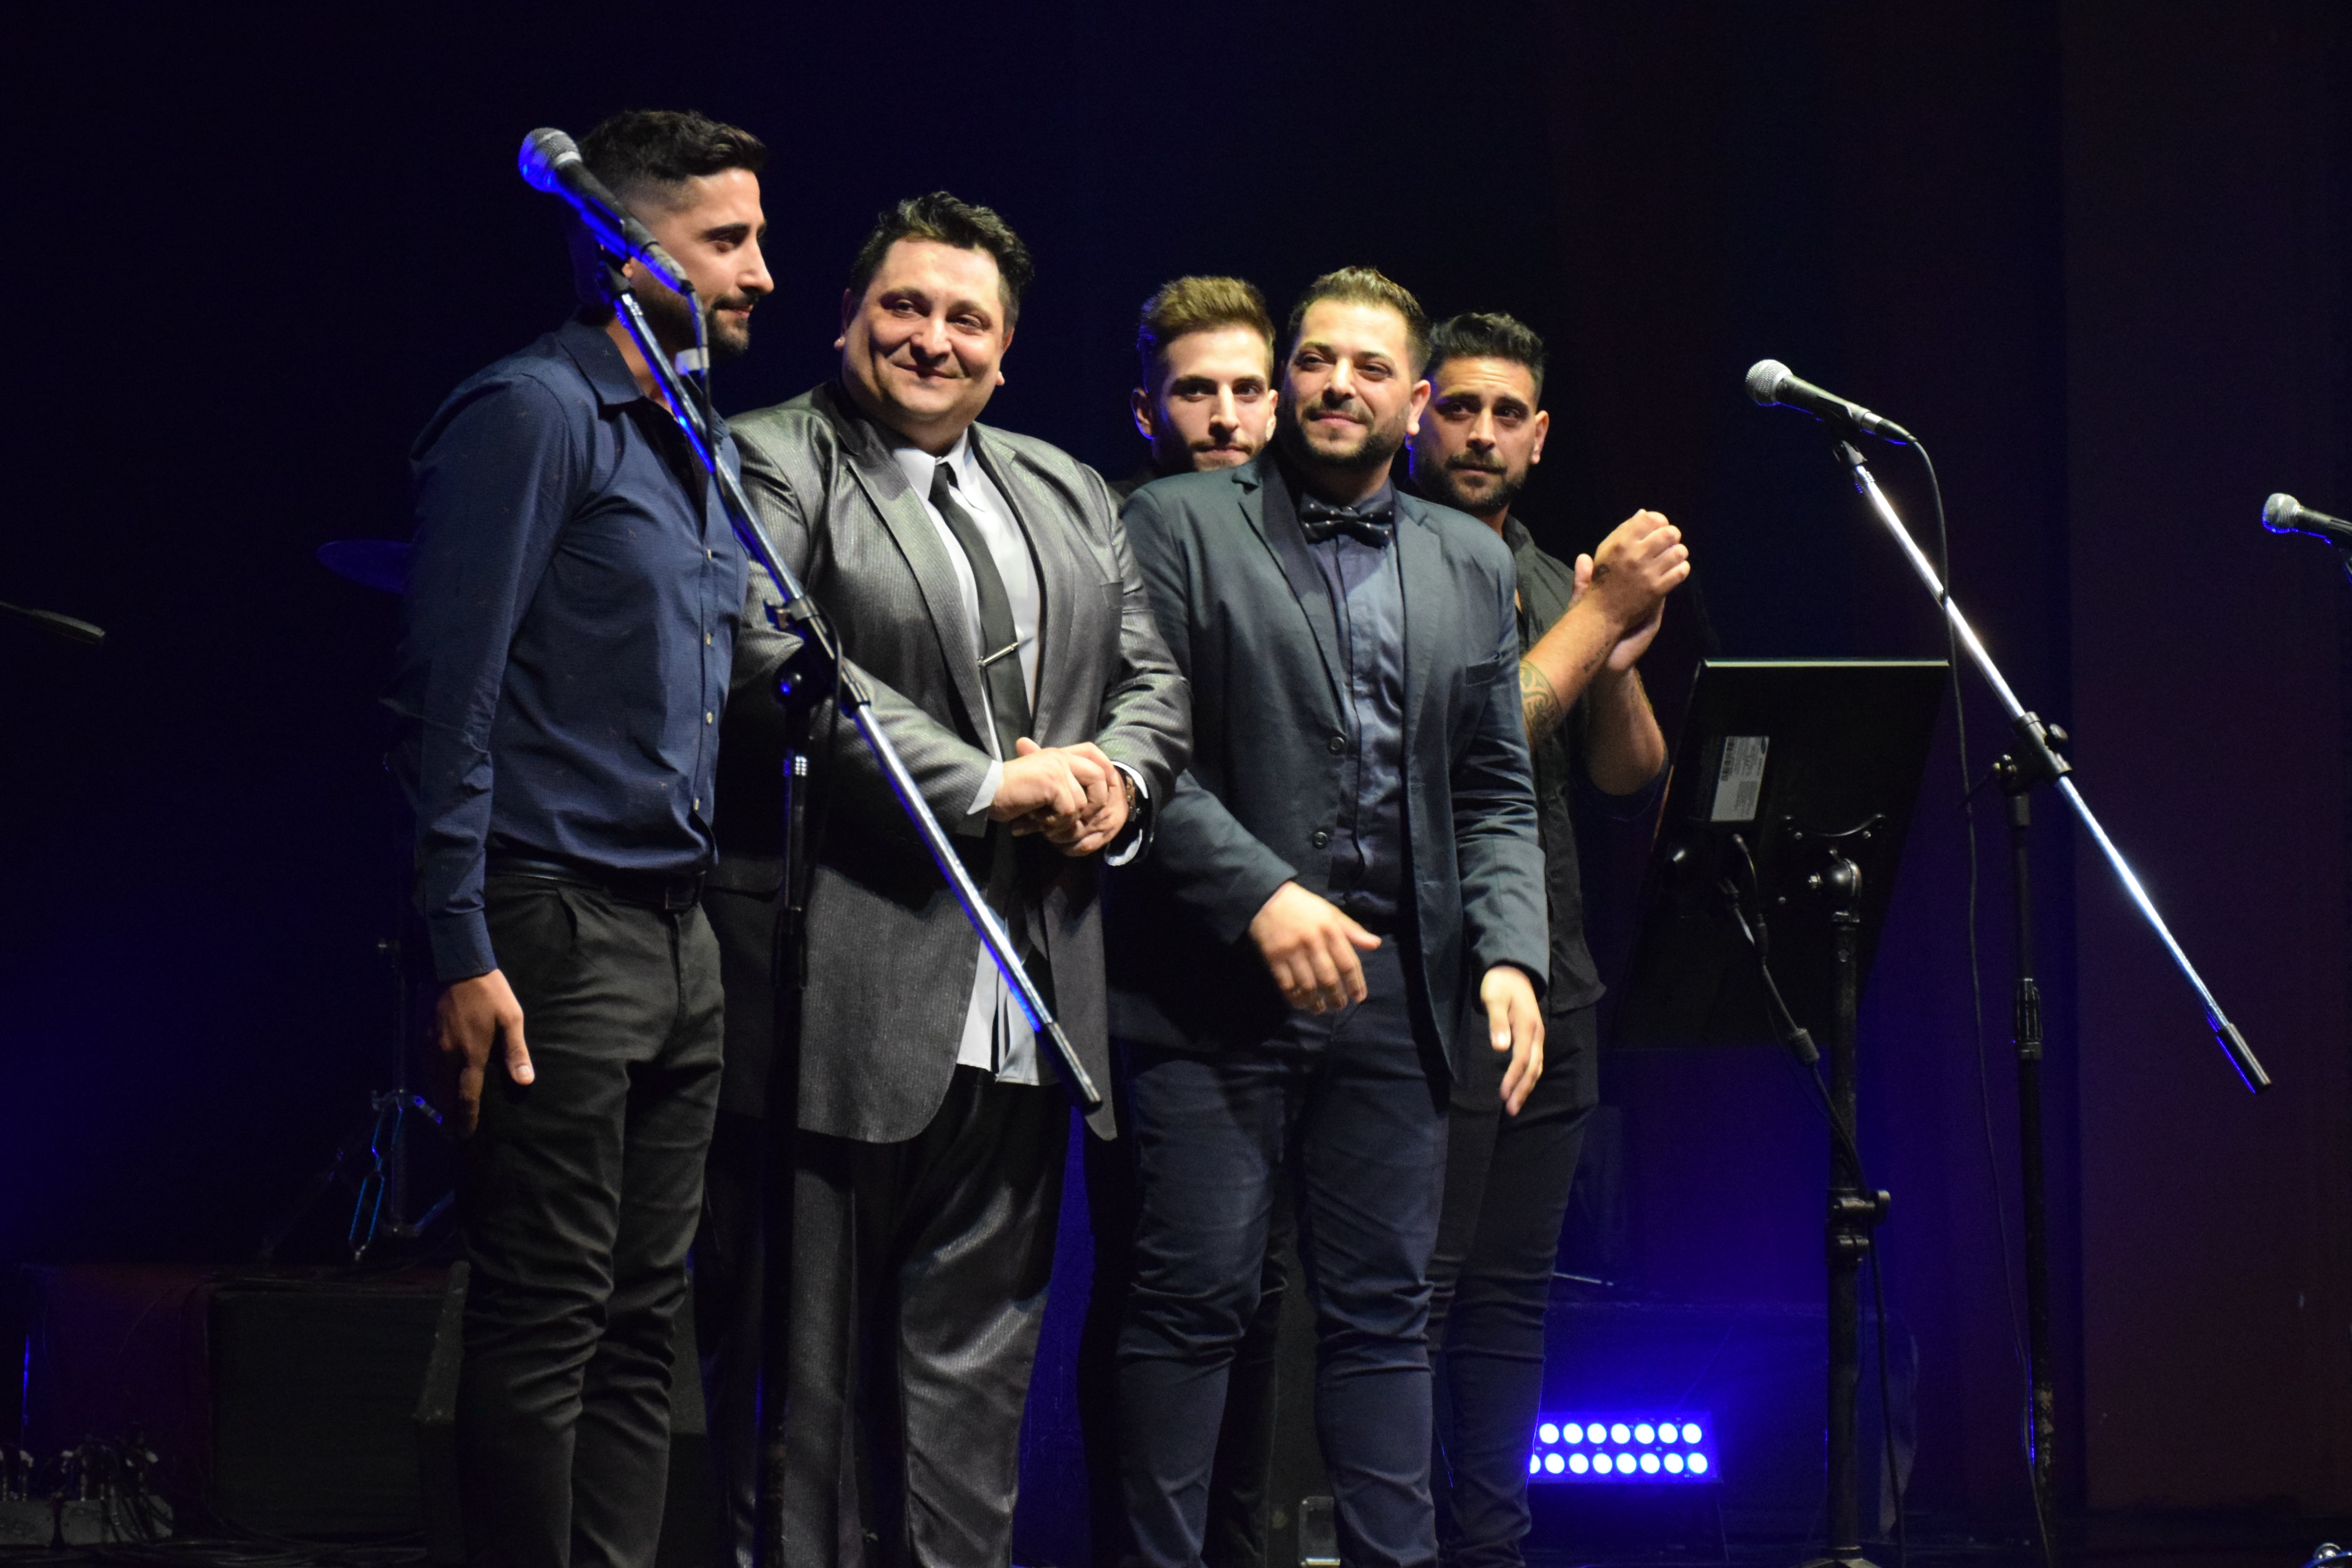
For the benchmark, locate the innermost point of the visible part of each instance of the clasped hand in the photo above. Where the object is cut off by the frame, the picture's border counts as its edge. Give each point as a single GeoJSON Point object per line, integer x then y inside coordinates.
{"type": "Point", "coordinates": [1642, 559]}
{"type": "Point", "coordinates": [1072, 794]}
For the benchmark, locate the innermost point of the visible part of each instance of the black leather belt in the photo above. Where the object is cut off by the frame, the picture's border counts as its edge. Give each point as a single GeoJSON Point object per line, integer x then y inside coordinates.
{"type": "Point", "coordinates": [651, 889]}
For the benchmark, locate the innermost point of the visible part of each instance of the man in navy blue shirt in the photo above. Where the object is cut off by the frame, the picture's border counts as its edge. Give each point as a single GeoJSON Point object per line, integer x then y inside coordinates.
{"type": "Point", "coordinates": [567, 641]}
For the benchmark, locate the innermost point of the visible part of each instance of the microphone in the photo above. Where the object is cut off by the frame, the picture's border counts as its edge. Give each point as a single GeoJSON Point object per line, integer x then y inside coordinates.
{"type": "Point", "coordinates": [2285, 514]}
{"type": "Point", "coordinates": [1774, 384]}
{"type": "Point", "coordinates": [551, 162]}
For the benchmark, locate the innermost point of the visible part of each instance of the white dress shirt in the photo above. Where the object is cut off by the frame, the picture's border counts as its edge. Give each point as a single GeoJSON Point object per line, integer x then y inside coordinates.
{"type": "Point", "coordinates": [996, 1033]}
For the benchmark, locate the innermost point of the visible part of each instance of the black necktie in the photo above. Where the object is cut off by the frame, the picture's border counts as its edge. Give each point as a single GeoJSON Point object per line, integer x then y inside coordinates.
{"type": "Point", "coordinates": [1000, 663]}
{"type": "Point", "coordinates": [1319, 520]}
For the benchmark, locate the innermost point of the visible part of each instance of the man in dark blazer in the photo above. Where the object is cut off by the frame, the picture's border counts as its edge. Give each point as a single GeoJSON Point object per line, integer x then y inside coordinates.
{"type": "Point", "coordinates": [1345, 897]}
{"type": "Point", "coordinates": [1204, 400]}
{"type": "Point", "coordinates": [981, 584]}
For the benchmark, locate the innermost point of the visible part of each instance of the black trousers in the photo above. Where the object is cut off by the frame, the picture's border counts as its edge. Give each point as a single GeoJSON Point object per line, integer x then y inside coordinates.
{"type": "Point", "coordinates": [1239, 1479]}
{"type": "Point", "coordinates": [729, 1297]}
{"type": "Point", "coordinates": [1355, 1106]}
{"type": "Point", "coordinates": [577, 1199]}
{"type": "Point", "coordinates": [919, 1272]}
{"type": "Point", "coordinates": [1507, 1188]}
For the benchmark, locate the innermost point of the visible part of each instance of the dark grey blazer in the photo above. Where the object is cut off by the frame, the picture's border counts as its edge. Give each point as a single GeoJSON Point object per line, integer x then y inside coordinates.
{"type": "Point", "coordinates": [1251, 624]}
{"type": "Point", "coordinates": [890, 956]}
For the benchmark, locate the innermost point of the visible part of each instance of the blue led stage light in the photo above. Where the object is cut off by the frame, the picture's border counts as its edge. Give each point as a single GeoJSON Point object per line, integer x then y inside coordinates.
{"type": "Point", "coordinates": [1651, 1449]}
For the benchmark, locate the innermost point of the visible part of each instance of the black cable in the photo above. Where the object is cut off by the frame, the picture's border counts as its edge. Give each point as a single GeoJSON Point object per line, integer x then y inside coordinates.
{"type": "Point", "coordinates": [1976, 997]}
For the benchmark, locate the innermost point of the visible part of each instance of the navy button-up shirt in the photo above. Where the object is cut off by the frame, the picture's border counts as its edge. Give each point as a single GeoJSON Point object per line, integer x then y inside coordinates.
{"type": "Point", "coordinates": [567, 635]}
{"type": "Point", "coordinates": [1368, 850]}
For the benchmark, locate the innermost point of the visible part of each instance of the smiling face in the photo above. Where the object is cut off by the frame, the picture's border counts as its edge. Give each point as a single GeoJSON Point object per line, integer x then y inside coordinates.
{"type": "Point", "coordinates": [1214, 404]}
{"type": "Point", "coordinates": [1482, 434]}
{"type": "Point", "coordinates": [1350, 394]}
{"type": "Point", "coordinates": [713, 225]}
{"type": "Point", "coordinates": [920, 350]}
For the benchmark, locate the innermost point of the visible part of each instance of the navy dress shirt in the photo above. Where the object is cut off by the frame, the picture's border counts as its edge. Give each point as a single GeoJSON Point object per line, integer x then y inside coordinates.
{"type": "Point", "coordinates": [1368, 849]}
{"type": "Point", "coordinates": [567, 634]}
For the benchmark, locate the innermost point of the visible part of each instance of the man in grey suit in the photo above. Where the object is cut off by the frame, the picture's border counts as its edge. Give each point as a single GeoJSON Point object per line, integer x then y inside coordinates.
{"type": "Point", "coordinates": [1345, 887]}
{"type": "Point", "coordinates": [981, 584]}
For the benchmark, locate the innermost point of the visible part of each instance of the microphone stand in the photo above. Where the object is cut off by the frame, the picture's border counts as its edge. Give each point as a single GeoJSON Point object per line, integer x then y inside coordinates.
{"type": "Point", "coordinates": [2032, 761]}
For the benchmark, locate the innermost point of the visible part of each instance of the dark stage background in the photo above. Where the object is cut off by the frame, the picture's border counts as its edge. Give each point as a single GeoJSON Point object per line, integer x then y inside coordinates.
{"type": "Point", "coordinates": [2091, 251]}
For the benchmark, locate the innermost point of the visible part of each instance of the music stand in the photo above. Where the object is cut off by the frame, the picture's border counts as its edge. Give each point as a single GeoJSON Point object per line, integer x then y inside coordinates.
{"type": "Point", "coordinates": [1784, 822]}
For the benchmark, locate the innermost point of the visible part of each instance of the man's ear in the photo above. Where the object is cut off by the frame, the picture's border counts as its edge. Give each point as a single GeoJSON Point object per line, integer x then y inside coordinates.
{"type": "Point", "coordinates": [1420, 405]}
{"type": "Point", "coordinates": [848, 311]}
{"type": "Point", "coordinates": [1001, 353]}
{"type": "Point", "coordinates": [1543, 428]}
{"type": "Point", "coordinates": [1146, 409]}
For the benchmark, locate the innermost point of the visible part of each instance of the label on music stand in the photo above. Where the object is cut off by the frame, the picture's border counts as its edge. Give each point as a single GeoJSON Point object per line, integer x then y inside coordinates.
{"type": "Point", "coordinates": [1739, 778]}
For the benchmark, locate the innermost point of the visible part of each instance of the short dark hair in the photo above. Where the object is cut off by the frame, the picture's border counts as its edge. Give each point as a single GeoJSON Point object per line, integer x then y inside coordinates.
{"type": "Point", "coordinates": [945, 220]}
{"type": "Point", "coordinates": [1197, 305]}
{"type": "Point", "coordinates": [1368, 286]}
{"type": "Point", "coordinates": [1487, 334]}
{"type": "Point", "coordinates": [651, 152]}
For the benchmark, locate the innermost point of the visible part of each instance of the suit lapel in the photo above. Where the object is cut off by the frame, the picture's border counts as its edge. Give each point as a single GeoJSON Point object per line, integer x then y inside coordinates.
{"type": "Point", "coordinates": [1275, 520]}
{"type": "Point", "coordinates": [1420, 573]}
{"type": "Point", "coordinates": [902, 514]}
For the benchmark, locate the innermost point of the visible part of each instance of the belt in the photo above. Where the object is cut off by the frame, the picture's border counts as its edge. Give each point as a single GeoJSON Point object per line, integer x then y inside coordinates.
{"type": "Point", "coordinates": [653, 889]}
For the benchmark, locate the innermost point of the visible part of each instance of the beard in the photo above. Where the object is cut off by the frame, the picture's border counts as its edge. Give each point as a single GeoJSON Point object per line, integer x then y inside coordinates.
{"type": "Point", "coordinates": [1444, 485]}
{"type": "Point", "coordinates": [672, 320]}
{"type": "Point", "coordinates": [1377, 450]}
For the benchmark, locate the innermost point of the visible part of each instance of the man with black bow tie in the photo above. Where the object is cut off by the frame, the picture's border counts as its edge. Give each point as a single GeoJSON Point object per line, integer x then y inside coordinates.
{"type": "Point", "coordinates": [1346, 898]}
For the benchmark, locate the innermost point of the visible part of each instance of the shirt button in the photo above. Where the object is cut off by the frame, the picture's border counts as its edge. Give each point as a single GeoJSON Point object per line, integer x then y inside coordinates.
{"type": "Point", "coordinates": [706, 718]}
{"type": "Point", "coordinates": [706, 639]}
{"type": "Point", "coordinates": [711, 556]}
{"type": "Point", "coordinates": [1336, 745]}
{"type": "Point", "coordinates": [1319, 838]}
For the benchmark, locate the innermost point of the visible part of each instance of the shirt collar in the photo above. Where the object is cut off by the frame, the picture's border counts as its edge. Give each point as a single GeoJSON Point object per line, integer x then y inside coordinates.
{"type": "Point", "coordinates": [919, 465]}
{"type": "Point", "coordinates": [1515, 532]}
{"type": "Point", "coordinates": [599, 359]}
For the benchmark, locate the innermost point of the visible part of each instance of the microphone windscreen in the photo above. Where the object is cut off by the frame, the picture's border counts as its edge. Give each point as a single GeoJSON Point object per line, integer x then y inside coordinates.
{"type": "Point", "coordinates": [2278, 514]}
{"type": "Point", "coordinates": [1764, 381]}
{"type": "Point", "coordinates": [543, 151]}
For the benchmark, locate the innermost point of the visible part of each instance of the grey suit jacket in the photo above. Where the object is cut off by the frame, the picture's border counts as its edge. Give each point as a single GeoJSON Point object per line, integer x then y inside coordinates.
{"type": "Point", "coordinates": [1250, 621]}
{"type": "Point", "coordinates": [889, 955]}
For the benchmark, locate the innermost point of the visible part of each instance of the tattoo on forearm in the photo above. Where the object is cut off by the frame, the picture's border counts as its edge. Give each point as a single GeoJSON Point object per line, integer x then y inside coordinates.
{"type": "Point", "coordinates": [1539, 702]}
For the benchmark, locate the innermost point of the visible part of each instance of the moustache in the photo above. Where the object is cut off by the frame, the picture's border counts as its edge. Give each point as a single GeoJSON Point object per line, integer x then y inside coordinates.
{"type": "Point", "coordinates": [734, 303]}
{"type": "Point", "coordinates": [1475, 465]}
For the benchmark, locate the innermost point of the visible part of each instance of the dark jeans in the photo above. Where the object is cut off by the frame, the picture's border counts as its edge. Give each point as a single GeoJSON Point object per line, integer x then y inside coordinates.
{"type": "Point", "coordinates": [919, 1272]}
{"type": "Point", "coordinates": [1352, 1104]}
{"type": "Point", "coordinates": [1236, 1536]}
{"type": "Point", "coordinates": [728, 1284]}
{"type": "Point", "coordinates": [577, 1200]}
{"type": "Point", "coordinates": [1506, 1186]}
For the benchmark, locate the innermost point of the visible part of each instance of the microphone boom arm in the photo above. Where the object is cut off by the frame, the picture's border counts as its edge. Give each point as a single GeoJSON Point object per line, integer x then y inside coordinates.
{"type": "Point", "coordinates": [2029, 731]}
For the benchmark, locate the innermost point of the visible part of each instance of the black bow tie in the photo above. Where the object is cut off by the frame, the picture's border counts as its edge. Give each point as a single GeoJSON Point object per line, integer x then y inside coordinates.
{"type": "Point", "coordinates": [1319, 520]}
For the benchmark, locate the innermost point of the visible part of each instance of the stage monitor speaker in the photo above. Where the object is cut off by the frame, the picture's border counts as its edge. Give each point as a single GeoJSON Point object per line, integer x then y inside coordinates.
{"type": "Point", "coordinates": [689, 1537]}
{"type": "Point", "coordinates": [278, 1400]}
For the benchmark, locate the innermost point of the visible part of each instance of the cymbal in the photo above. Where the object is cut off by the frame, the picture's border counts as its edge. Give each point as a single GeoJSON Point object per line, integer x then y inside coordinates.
{"type": "Point", "coordinates": [371, 562]}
